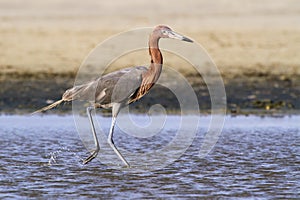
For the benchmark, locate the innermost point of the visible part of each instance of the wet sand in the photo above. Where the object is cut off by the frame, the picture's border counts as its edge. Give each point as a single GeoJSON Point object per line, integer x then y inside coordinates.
{"type": "Point", "coordinates": [255, 48]}
{"type": "Point", "coordinates": [258, 94]}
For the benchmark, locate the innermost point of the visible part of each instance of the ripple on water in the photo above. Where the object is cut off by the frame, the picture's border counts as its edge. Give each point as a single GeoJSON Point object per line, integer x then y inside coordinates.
{"type": "Point", "coordinates": [41, 158]}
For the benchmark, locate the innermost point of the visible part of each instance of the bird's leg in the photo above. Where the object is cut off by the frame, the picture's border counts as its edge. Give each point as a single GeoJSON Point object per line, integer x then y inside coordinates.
{"type": "Point", "coordinates": [115, 110]}
{"type": "Point", "coordinates": [95, 152]}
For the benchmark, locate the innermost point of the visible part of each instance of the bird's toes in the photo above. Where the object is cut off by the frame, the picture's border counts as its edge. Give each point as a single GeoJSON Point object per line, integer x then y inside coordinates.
{"type": "Point", "coordinates": [90, 158]}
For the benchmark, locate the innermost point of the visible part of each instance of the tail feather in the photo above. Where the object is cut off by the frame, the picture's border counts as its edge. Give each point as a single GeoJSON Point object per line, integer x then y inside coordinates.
{"type": "Point", "coordinates": [82, 92]}
{"type": "Point", "coordinates": [48, 107]}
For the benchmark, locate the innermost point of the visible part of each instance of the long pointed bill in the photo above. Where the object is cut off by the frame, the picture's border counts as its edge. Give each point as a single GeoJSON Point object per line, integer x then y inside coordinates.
{"type": "Point", "coordinates": [177, 36]}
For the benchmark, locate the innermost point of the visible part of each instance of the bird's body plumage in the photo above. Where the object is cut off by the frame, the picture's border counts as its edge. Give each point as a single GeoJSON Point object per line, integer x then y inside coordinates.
{"type": "Point", "coordinates": [116, 87]}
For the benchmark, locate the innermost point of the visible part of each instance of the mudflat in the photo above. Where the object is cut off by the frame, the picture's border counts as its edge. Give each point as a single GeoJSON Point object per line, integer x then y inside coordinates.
{"type": "Point", "coordinates": [255, 46]}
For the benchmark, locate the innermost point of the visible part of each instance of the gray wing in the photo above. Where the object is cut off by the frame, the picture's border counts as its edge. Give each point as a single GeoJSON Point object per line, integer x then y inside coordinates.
{"type": "Point", "coordinates": [119, 86]}
{"type": "Point", "coordinates": [115, 87]}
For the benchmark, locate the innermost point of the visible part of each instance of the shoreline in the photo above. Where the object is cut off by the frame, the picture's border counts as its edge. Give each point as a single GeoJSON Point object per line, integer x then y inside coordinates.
{"type": "Point", "coordinates": [259, 94]}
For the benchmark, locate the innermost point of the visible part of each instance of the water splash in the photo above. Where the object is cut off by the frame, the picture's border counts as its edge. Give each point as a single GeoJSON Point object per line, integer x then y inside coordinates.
{"type": "Point", "coordinates": [53, 156]}
{"type": "Point", "coordinates": [62, 155]}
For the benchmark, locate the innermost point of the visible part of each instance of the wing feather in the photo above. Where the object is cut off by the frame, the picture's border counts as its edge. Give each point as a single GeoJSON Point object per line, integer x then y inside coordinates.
{"type": "Point", "coordinates": [117, 86]}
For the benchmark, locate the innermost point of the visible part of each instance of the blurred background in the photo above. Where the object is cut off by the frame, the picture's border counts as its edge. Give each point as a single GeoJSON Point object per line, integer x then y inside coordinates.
{"type": "Point", "coordinates": [254, 43]}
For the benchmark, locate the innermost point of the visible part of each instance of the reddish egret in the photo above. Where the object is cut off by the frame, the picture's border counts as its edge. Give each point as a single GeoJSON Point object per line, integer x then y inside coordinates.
{"type": "Point", "coordinates": [120, 88]}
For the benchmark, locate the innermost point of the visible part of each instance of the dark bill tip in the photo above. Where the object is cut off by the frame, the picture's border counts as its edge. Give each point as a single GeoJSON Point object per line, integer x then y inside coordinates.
{"type": "Point", "coordinates": [186, 39]}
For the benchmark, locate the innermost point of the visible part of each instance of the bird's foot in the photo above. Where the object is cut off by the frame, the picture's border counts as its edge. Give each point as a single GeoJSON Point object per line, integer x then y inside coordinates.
{"type": "Point", "coordinates": [128, 166]}
{"type": "Point", "coordinates": [91, 157]}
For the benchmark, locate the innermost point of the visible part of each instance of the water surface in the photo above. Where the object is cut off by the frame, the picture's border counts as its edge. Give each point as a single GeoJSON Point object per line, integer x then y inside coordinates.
{"type": "Point", "coordinates": [254, 157]}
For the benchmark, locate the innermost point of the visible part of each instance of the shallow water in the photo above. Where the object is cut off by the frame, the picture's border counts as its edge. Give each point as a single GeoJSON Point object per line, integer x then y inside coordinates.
{"type": "Point", "coordinates": [254, 157]}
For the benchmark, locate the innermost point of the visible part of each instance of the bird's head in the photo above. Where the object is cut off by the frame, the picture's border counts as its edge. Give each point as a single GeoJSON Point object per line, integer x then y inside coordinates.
{"type": "Point", "coordinates": [163, 31]}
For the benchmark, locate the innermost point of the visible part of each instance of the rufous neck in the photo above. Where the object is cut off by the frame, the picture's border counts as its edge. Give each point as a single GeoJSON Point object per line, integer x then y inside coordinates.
{"type": "Point", "coordinates": [154, 51]}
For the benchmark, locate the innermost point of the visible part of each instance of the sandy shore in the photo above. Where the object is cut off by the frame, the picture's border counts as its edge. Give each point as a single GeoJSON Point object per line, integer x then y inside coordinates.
{"type": "Point", "coordinates": [255, 48]}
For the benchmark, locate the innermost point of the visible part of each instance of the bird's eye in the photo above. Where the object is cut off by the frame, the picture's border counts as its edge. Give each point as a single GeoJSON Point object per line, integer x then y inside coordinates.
{"type": "Point", "coordinates": [164, 32]}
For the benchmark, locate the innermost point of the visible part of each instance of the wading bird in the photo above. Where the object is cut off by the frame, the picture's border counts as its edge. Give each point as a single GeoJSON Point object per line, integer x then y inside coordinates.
{"type": "Point", "coordinates": [120, 88]}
